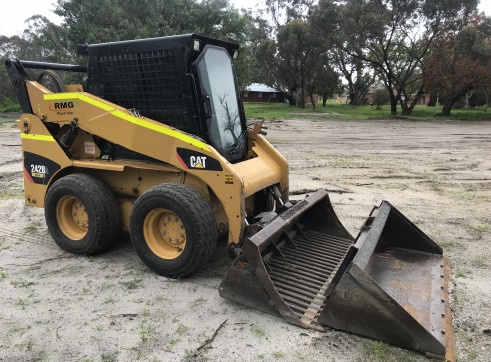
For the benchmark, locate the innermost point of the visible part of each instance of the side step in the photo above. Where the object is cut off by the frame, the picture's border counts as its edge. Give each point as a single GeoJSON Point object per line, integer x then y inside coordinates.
{"type": "Point", "coordinates": [390, 283]}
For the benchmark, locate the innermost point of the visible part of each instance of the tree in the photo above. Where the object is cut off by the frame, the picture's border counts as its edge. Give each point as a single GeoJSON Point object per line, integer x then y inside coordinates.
{"type": "Point", "coordinates": [284, 11]}
{"type": "Point", "coordinates": [35, 43]}
{"type": "Point", "coordinates": [356, 72]}
{"type": "Point", "coordinates": [325, 81]}
{"type": "Point", "coordinates": [459, 62]}
{"type": "Point", "coordinates": [96, 21]}
{"type": "Point", "coordinates": [393, 36]}
{"type": "Point", "coordinates": [294, 62]}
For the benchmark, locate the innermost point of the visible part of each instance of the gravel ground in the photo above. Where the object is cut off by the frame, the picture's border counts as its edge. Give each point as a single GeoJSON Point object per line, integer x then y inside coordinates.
{"type": "Point", "coordinates": [59, 307]}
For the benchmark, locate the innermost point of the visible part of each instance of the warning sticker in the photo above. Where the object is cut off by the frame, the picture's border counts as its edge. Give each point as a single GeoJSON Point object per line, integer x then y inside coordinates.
{"type": "Point", "coordinates": [229, 180]}
{"type": "Point", "coordinates": [89, 148]}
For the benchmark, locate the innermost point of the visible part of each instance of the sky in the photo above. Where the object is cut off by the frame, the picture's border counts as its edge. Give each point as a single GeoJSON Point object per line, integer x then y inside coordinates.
{"type": "Point", "coordinates": [14, 13]}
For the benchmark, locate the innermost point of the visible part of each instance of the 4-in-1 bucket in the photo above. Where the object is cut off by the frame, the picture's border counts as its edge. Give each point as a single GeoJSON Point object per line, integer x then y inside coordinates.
{"type": "Point", "coordinates": [390, 283]}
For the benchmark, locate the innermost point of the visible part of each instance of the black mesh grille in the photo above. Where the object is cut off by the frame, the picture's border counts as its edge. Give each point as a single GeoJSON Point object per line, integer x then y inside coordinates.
{"type": "Point", "coordinates": [293, 210]}
{"type": "Point", "coordinates": [153, 82]}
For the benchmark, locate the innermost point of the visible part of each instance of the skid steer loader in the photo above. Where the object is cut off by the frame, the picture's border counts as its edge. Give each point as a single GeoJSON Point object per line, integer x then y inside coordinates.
{"type": "Point", "coordinates": [155, 142]}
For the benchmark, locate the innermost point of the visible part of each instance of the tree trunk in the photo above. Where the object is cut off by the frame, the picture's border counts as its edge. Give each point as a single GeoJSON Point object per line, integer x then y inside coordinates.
{"type": "Point", "coordinates": [291, 100]}
{"type": "Point", "coordinates": [403, 103]}
{"type": "Point", "coordinates": [433, 99]}
{"type": "Point", "coordinates": [449, 103]}
{"type": "Point", "coordinates": [447, 107]}
{"type": "Point", "coordinates": [393, 103]}
{"type": "Point", "coordinates": [415, 101]}
{"type": "Point", "coordinates": [393, 107]}
{"type": "Point", "coordinates": [355, 98]}
{"type": "Point", "coordinates": [312, 100]}
{"type": "Point", "coordinates": [324, 100]}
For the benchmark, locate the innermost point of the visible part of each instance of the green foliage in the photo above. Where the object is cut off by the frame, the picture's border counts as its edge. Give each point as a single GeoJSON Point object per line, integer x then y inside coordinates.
{"type": "Point", "coordinates": [380, 97]}
{"type": "Point", "coordinates": [91, 21]}
{"type": "Point", "coordinates": [460, 62]}
{"type": "Point", "coordinates": [391, 37]}
{"type": "Point", "coordinates": [8, 105]}
{"type": "Point", "coordinates": [295, 63]}
{"type": "Point", "coordinates": [97, 21]}
{"type": "Point", "coordinates": [478, 98]}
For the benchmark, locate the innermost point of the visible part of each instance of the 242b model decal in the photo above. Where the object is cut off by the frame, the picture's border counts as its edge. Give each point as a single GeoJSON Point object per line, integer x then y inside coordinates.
{"type": "Point", "coordinates": [39, 169]}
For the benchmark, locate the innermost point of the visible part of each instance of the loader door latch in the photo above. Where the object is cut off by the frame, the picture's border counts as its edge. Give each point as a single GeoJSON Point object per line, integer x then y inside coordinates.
{"type": "Point", "coordinates": [26, 126]}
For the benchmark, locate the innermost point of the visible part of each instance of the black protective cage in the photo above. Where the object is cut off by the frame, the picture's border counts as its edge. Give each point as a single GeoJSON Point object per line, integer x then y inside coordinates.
{"type": "Point", "coordinates": [157, 77]}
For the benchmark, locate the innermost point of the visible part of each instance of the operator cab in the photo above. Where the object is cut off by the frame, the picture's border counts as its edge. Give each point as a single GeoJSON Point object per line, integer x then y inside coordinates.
{"type": "Point", "coordinates": [185, 81]}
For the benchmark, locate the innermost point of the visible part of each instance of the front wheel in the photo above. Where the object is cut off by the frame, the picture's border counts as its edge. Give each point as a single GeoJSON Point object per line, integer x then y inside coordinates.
{"type": "Point", "coordinates": [173, 230]}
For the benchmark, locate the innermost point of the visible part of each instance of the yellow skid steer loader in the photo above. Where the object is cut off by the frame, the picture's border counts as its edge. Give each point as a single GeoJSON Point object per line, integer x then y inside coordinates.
{"type": "Point", "coordinates": [155, 141]}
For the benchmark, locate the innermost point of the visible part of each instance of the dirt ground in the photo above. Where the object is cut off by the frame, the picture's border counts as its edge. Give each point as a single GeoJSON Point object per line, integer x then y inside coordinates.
{"type": "Point", "coordinates": [60, 307]}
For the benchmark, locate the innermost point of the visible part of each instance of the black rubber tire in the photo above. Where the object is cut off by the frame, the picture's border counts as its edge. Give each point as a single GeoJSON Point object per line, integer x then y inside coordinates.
{"type": "Point", "coordinates": [199, 224]}
{"type": "Point", "coordinates": [102, 208]}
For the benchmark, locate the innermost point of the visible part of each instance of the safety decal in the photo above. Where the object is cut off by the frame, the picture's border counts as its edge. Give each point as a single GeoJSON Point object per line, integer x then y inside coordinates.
{"type": "Point", "coordinates": [229, 179]}
{"type": "Point", "coordinates": [197, 161]}
{"type": "Point", "coordinates": [63, 99]}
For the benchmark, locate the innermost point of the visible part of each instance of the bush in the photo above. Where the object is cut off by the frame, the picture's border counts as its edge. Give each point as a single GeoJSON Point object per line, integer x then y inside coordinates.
{"type": "Point", "coordinates": [9, 105]}
{"type": "Point", "coordinates": [381, 97]}
{"type": "Point", "coordinates": [477, 99]}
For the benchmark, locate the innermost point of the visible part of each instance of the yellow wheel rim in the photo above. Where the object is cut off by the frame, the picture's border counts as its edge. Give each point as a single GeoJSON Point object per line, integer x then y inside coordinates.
{"type": "Point", "coordinates": [164, 233]}
{"type": "Point", "coordinates": [72, 217]}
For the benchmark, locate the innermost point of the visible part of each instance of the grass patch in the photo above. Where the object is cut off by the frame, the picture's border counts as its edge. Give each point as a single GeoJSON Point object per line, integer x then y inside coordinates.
{"type": "Point", "coordinates": [257, 331]}
{"type": "Point", "coordinates": [335, 110]}
{"type": "Point", "coordinates": [11, 194]}
{"type": "Point", "coordinates": [278, 355]}
{"type": "Point", "coordinates": [380, 351]}
{"type": "Point", "coordinates": [182, 329]}
{"type": "Point", "coordinates": [197, 302]}
{"type": "Point", "coordinates": [25, 346]}
{"type": "Point", "coordinates": [21, 283]}
{"type": "Point", "coordinates": [19, 330]}
{"type": "Point", "coordinates": [480, 262]}
{"type": "Point", "coordinates": [376, 349]}
{"type": "Point", "coordinates": [132, 284]}
{"type": "Point", "coordinates": [33, 228]}
{"type": "Point", "coordinates": [483, 228]}
{"type": "Point", "coordinates": [347, 161]}
{"type": "Point", "coordinates": [145, 331]}
{"type": "Point", "coordinates": [480, 229]}
{"type": "Point", "coordinates": [463, 273]}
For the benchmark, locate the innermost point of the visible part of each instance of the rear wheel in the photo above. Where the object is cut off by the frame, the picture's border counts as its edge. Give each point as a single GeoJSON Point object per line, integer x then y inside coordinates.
{"type": "Point", "coordinates": [82, 214]}
{"type": "Point", "coordinates": [173, 230]}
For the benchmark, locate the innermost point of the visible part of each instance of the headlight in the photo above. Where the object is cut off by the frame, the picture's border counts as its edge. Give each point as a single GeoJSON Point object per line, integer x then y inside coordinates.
{"type": "Point", "coordinates": [196, 45]}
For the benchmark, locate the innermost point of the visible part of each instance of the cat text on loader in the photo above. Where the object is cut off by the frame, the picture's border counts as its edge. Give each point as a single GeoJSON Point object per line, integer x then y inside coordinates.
{"type": "Point", "coordinates": [155, 141]}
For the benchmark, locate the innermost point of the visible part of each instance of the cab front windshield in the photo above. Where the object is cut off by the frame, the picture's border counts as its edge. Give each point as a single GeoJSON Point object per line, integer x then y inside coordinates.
{"type": "Point", "coordinates": [218, 81]}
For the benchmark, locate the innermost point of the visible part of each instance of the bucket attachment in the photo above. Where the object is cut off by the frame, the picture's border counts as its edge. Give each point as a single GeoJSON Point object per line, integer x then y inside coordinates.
{"type": "Point", "coordinates": [390, 283]}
